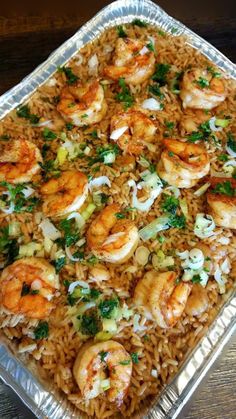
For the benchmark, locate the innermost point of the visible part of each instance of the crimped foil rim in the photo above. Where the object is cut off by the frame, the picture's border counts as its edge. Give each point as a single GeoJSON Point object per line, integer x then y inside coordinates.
{"type": "Point", "coordinates": [175, 395]}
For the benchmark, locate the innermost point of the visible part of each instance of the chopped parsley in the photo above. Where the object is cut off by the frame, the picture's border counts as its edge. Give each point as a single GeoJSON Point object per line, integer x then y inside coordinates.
{"type": "Point", "coordinates": [170, 204]}
{"type": "Point", "coordinates": [224, 188]}
{"type": "Point", "coordinates": [134, 357]}
{"type": "Point", "coordinates": [174, 30]}
{"type": "Point", "coordinates": [119, 215]}
{"type": "Point", "coordinates": [124, 95]}
{"type": "Point", "coordinates": [161, 33]}
{"type": "Point", "coordinates": [154, 89]}
{"type": "Point", "coordinates": [90, 324]}
{"type": "Point", "coordinates": [8, 246]}
{"type": "Point", "coordinates": [177, 221]}
{"type": "Point", "coordinates": [196, 279]}
{"type": "Point", "coordinates": [175, 82]}
{"type": "Point", "coordinates": [120, 32]}
{"type": "Point", "coordinates": [223, 157]}
{"type": "Point", "coordinates": [70, 232]}
{"type": "Point", "coordinates": [71, 77]}
{"type": "Point", "coordinates": [103, 153]}
{"type": "Point", "coordinates": [140, 23]}
{"type": "Point", "coordinates": [24, 112]}
{"type": "Point", "coordinates": [59, 263]}
{"type": "Point", "coordinates": [94, 134]}
{"type": "Point", "coordinates": [4, 137]}
{"type": "Point", "coordinates": [17, 197]}
{"type": "Point", "coordinates": [161, 73]}
{"type": "Point", "coordinates": [231, 142]}
{"type": "Point", "coordinates": [44, 150]}
{"type": "Point", "coordinates": [107, 307]}
{"type": "Point", "coordinates": [201, 82]}
{"type": "Point", "coordinates": [48, 134]}
{"type": "Point", "coordinates": [41, 331]}
{"type": "Point", "coordinates": [92, 260]}
{"type": "Point", "coordinates": [203, 134]}
{"type": "Point", "coordinates": [25, 289]}
{"type": "Point", "coordinates": [214, 73]}
{"type": "Point", "coordinates": [151, 46]}
{"type": "Point", "coordinates": [103, 355]}
{"type": "Point", "coordinates": [69, 126]}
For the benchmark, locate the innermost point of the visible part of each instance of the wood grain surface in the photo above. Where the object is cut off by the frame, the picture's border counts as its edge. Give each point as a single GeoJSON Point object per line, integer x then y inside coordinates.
{"type": "Point", "coordinates": [25, 41]}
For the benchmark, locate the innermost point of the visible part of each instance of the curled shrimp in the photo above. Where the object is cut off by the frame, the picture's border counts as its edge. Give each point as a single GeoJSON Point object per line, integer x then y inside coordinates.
{"type": "Point", "coordinates": [102, 361]}
{"type": "Point", "coordinates": [140, 130]}
{"type": "Point", "coordinates": [133, 61]}
{"type": "Point", "coordinates": [83, 104]}
{"type": "Point", "coordinates": [27, 287]}
{"type": "Point", "coordinates": [64, 194]}
{"type": "Point", "coordinates": [111, 239]}
{"type": "Point", "coordinates": [200, 89]}
{"type": "Point", "coordinates": [198, 301]}
{"type": "Point", "coordinates": [223, 207]}
{"type": "Point", "coordinates": [183, 164]}
{"type": "Point", "coordinates": [162, 299]}
{"type": "Point", "coordinates": [19, 161]}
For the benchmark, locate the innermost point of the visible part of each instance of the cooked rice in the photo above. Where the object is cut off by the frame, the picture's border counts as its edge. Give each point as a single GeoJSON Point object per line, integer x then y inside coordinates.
{"type": "Point", "coordinates": [157, 349]}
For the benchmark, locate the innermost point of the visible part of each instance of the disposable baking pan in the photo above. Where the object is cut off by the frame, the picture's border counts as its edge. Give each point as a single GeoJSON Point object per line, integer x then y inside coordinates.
{"type": "Point", "coordinates": [45, 401]}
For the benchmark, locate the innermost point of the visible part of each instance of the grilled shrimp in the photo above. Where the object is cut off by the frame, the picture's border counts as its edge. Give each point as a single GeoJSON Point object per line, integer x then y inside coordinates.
{"type": "Point", "coordinates": [162, 300]}
{"type": "Point", "coordinates": [198, 301]}
{"type": "Point", "coordinates": [223, 207]}
{"type": "Point", "coordinates": [19, 161]}
{"type": "Point", "coordinates": [64, 194]}
{"type": "Point", "coordinates": [139, 130]}
{"type": "Point", "coordinates": [104, 366]}
{"type": "Point", "coordinates": [110, 239]}
{"type": "Point", "coordinates": [183, 164]}
{"type": "Point", "coordinates": [27, 287]}
{"type": "Point", "coordinates": [83, 104]}
{"type": "Point", "coordinates": [201, 90]}
{"type": "Point", "coordinates": [133, 61]}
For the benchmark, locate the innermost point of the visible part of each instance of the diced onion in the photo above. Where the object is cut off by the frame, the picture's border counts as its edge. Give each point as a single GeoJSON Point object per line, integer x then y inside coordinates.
{"type": "Point", "coordinates": [99, 181]}
{"type": "Point", "coordinates": [93, 64]}
{"type": "Point", "coordinates": [70, 256]}
{"type": "Point", "coordinates": [204, 226]}
{"type": "Point", "coordinates": [184, 207]}
{"type": "Point", "coordinates": [202, 189]}
{"type": "Point", "coordinates": [154, 183]}
{"type": "Point", "coordinates": [14, 229]}
{"type": "Point", "coordinates": [150, 230]}
{"type": "Point", "coordinates": [49, 230]}
{"type": "Point", "coordinates": [10, 209]}
{"type": "Point", "coordinates": [136, 326]}
{"type": "Point", "coordinates": [151, 104]}
{"type": "Point", "coordinates": [144, 50]}
{"type": "Point", "coordinates": [27, 191]}
{"type": "Point", "coordinates": [174, 190]}
{"type": "Point", "coordinates": [141, 255]}
{"type": "Point", "coordinates": [223, 240]}
{"type": "Point", "coordinates": [213, 126]}
{"type": "Point", "coordinates": [78, 219]}
{"type": "Point", "coordinates": [154, 373]}
{"type": "Point", "coordinates": [182, 255]}
{"type": "Point", "coordinates": [105, 384]}
{"type": "Point", "coordinates": [109, 158]}
{"type": "Point", "coordinates": [229, 166]}
{"type": "Point", "coordinates": [47, 123]}
{"type": "Point", "coordinates": [220, 280]}
{"type": "Point", "coordinates": [75, 284]}
{"type": "Point", "coordinates": [225, 266]}
{"type": "Point", "coordinates": [117, 133]}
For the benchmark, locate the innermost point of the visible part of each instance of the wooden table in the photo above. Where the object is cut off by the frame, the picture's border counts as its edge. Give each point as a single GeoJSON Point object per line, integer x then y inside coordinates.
{"type": "Point", "coordinates": [25, 41]}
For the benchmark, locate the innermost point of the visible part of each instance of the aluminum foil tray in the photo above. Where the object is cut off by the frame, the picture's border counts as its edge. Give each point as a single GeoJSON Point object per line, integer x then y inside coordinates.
{"type": "Point", "coordinates": [45, 401]}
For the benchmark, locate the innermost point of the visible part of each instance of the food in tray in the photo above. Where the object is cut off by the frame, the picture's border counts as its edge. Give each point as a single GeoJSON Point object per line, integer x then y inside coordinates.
{"type": "Point", "coordinates": [118, 216]}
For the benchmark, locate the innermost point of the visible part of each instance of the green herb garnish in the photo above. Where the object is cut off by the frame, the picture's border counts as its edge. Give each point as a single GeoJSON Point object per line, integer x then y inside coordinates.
{"type": "Point", "coordinates": [134, 357]}
{"type": "Point", "coordinates": [71, 77]}
{"type": "Point", "coordinates": [124, 95]}
{"type": "Point", "coordinates": [69, 126]}
{"type": "Point", "coordinates": [90, 324]}
{"type": "Point", "coordinates": [201, 82]}
{"type": "Point", "coordinates": [41, 331]}
{"type": "Point", "coordinates": [107, 307]}
{"type": "Point", "coordinates": [213, 72]}
{"type": "Point", "coordinates": [224, 188]}
{"type": "Point", "coordinates": [161, 73]}
{"type": "Point", "coordinates": [170, 204]}
{"type": "Point", "coordinates": [125, 362]}
{"type": "Point", "coordinates": [103, 355]}
{"type": "Point", "coordinates": [48, 134]}
{"type": "Point", "coordinates": [119, 215]}
{"type": "Point", "coordinates": [24, 112]}
{"type": "Point", "coordinates": [177, 221]}
{"type": "Point", "coordinates": [140, 23]}
{"type": "Point", "coordinates": [59, 263]}
{"type": "Point", "coordinates": [120, 32]}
